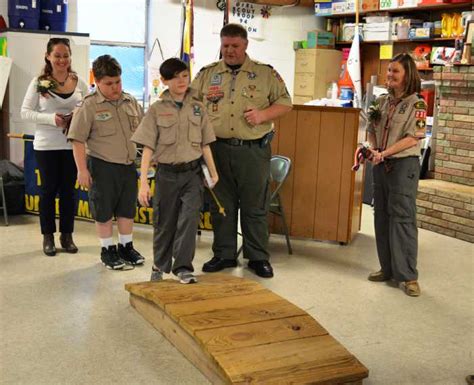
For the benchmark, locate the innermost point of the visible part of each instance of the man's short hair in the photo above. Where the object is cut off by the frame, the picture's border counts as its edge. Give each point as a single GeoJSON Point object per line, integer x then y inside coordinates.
{"type": "Point", "coordinates": [172, 67]}
{"type": "Point", "coordinates": [234, 30]}
{"type": "Point", "coordinates": [106, 65]}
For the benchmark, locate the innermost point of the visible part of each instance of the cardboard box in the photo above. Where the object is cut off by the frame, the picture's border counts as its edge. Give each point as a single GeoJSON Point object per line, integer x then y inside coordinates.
{"type": "Point", "coordinates": [388, 4]}
{"type": "Point", "coordinates": [323, 9]}
{"type": "Point", "coordinates": [364, 5]}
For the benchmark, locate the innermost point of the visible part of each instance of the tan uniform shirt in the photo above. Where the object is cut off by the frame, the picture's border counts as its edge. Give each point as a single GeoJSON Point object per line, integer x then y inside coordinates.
{"type": "Point", "coordinates": [175, 134]}
{"type": "Point", "coordinates": [107, 126]}
{"type": "Point", "coordinates": [228, 95]}
{"type": "Point", "coordinates": [408, 119]}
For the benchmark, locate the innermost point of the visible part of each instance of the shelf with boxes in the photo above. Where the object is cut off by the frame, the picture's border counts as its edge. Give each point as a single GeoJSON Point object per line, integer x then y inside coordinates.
{"type": "Point", "coordinates": [430, 30]}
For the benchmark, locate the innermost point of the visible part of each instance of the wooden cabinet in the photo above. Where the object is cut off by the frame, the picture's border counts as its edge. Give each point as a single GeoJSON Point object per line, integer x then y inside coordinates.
{"type": "Point", "coordinates": [322, 196]}
{"type": "Point", "coordinates": [315, 69]}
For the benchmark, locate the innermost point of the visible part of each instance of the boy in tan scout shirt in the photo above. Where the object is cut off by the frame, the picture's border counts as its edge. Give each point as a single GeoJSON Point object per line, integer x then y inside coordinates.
{"type": "Point", "coordinates": [100, 131]}
{"type": "Point", "coordinates": [176, 130]}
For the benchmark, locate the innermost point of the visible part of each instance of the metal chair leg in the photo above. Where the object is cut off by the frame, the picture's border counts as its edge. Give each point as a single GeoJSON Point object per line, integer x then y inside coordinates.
{"type": "Point", "coordinates": [4, 202]}
{"type": "Point", "coordinates": [285, 226]}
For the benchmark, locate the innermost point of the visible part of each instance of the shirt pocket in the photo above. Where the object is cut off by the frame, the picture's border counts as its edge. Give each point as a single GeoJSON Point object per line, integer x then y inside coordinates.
{"type": "Point", "coordinates": [256, 97]}
{"type": "Point", "coordinates": [194, 129]}
{"type": "Point", "coordinates": [167, 130]}
{"type": "Point", "coordinates": [133, 120]}
{"type": "Point", "coordinates": [106, 127]}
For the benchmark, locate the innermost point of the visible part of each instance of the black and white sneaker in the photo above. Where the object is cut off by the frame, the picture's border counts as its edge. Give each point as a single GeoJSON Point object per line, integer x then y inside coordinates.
{"type": "Point", "coordinates": [129, 255]}
{"type": "Point", "coordinates": [110, 258]}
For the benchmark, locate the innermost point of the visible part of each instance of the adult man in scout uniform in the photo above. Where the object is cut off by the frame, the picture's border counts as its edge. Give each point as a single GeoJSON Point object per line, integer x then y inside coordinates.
{"type": "Point", "coordinates": [242, 98]}
{"type": "Point", "coordinates": [101, 128]}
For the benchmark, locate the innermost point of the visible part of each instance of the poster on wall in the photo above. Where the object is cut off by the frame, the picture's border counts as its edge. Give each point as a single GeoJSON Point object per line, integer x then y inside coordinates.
{"type": "Point", "coordinates": [155, 86]}
{"type": "Point", "coordinates": [143, 215]}
{"type": "Point", "coordinates": [251, 17]}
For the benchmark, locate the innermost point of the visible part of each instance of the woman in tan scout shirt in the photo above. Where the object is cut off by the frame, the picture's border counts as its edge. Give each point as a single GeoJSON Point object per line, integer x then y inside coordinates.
{"type": "Point", "coordinates": [396, 124]}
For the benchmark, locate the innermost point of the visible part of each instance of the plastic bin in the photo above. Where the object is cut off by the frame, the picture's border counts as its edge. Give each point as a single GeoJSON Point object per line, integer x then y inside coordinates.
{"type": "Point", "coordinates": [53, 15]}
{"type": "Point", "coordinates": [24, 14]}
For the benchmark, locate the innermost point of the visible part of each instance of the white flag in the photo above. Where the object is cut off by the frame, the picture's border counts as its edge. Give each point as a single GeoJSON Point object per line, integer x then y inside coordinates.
{"type": "Point", "coordinates": [353, 66]}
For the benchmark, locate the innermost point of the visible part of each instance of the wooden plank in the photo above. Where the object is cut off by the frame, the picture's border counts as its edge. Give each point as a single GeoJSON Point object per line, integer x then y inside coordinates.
{"type": "Point", "coordinates": [279, 308]}
{"type": "Point", "coordinates": [210, 286]}
{"type": "Point", "coordinates": [259, 333]}
{"type": "Point", "coordinates": [305, 177]}
{"type": "Point", "coordinates": [181, 309]}
{"type": "Point", "coordinates": [185, 343]}
{"type": "Point", "coordinates": [326, 213]}
{"type": "Point", "coordinates": [312, 360]}
{"type": "Point", "coordinates": [347, 178]}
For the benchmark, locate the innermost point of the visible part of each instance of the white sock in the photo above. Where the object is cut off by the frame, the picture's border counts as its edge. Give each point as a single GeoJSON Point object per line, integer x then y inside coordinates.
{"type": "Point", "coordinates": [125, 238]}
{"type": "Point", "coordinates": [106, 242]}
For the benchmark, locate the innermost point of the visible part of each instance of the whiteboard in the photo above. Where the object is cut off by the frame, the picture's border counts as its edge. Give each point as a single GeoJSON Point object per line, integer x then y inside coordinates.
{"type": "Point", "coordinates": [5, 66]}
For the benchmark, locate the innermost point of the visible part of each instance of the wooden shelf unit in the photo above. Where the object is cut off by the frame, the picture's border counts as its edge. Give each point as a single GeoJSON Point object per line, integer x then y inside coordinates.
{"type": "Point", "coordinates": [370, 50]}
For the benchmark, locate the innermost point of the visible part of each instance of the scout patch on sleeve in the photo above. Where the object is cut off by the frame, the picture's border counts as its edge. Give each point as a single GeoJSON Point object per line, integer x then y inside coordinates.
{"type": "Point", "coordinates": [420, 104]}
{"type": "Point", "coordinates": [277, 75]}
{"type": "Point", "coordinates": [420, 123]}
{"type": "Point", "coordinates": [196, 110]}
{"type": "Point", "coordinates": [421, 114]}
{"type": "Point", "coordinates": [103, 116]}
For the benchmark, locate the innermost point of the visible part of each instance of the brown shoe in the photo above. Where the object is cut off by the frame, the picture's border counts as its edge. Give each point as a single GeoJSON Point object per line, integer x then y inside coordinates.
{"type": "Point", "coordinates": [378, 276]}
{"type": "Point", "coordinates": [48, 245]}
{"type": "Point", "coordinates": [412, 288]}
{"type": "Point", "coordinates": [67, 243]}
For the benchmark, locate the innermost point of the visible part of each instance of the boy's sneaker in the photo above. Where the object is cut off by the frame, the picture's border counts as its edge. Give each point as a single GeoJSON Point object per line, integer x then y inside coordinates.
{"type": "Point", "coordinates": [111, 259]}
{"type": "Point", "coordinates": [128, 254]}
{"type": "Point", "coordinates": [187, 277]}
{"type": "Point", "coordinates": [156, 275]}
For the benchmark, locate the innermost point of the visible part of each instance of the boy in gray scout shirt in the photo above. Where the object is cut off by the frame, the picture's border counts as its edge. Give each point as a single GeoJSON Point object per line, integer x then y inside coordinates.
{"type": "Point", "coordinates": [100, 131]}
{"type": "Point", "coordinates": [176, 130]}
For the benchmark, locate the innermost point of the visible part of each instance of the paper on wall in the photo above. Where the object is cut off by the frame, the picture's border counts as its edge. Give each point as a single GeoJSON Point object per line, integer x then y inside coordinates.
{"type": "Point", "coordinates": [5, 67]}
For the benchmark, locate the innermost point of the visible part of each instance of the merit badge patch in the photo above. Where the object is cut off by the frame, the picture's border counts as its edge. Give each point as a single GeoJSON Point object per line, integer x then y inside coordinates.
{"type": "Point", "coordinates": [421, 114]}
{"type": "Point", "coordinates": [103, 116]}
{"type": "Point", "coordinates": [403, 108]}
{"type": "Point", "coordinates": [215, 107]}
{"type": "Point", "coordinates": [216, 80]}
{"type": "Point", "coordinates": [214, 97]}
{"type": "Point", "coordinates": [420, 123]}
{"type": "Point", "coordinates": [196, 110]}
{"type": "Point", "coordinates": [420, 105]}
{"type": "Point", "coordinates": [252, 75]}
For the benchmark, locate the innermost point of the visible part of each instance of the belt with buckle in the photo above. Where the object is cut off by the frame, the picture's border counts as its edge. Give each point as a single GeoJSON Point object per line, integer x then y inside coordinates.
{"type": "Point", "coordinates": [238, 142]}
{"type": "Point", "coordinates": [180, 167]}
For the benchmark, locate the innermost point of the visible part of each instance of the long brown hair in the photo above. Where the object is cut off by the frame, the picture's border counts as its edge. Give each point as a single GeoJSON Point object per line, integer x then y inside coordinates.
{"type": "Point", "coordinates": [412, 78]}
{"type": "Point", "coordinates": [48, 68]}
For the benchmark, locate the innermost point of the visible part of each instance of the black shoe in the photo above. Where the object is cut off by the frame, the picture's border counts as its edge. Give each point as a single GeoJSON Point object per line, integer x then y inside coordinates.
{"type": "Point", "coordinates": [110, 258]}
{"type": "Point", "coordinates": [130, 255]}
{"type": "Point", "coordinates": [48, 245]}
{"type": "Point", "coordinates": [261, 268]}
{"type": "Point", "coordinates": [218, 264]}
{"type": "Point", "coordinates": [67, 243]}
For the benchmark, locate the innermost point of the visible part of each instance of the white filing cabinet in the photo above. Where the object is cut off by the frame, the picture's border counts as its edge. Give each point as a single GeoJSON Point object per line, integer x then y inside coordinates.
{"type": "Point", "coordinates": [27, 50]}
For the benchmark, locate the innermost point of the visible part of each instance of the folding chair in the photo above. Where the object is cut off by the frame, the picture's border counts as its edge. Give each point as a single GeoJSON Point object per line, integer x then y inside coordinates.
{"type": "Point", "coordinates": [279, 169]}
{"type": "Point", "coordinates": [4, 202]}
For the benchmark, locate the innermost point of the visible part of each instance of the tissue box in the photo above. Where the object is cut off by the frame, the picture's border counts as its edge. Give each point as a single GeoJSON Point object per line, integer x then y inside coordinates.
{"type": "Point", "coordinates": [378, 31]}
{"type": "Point", "coordinates": [320, 39]}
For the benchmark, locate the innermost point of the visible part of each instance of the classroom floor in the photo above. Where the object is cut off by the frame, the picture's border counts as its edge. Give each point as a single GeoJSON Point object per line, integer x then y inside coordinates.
{"type": "Point", "coordinates": [67, 320]}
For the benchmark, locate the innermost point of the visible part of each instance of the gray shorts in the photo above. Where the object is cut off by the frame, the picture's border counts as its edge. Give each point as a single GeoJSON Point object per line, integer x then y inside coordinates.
{"type": "Point", "coordinates": [113, 191]}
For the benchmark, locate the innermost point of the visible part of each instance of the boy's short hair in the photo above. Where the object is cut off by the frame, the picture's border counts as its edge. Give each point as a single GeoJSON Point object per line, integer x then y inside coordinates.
{"type": "Point", "coordinates": [233, 30]}
{"type": "Point", "coordinates": [172, 67]}
{"type": "Point", "coordinates": [106, 65]}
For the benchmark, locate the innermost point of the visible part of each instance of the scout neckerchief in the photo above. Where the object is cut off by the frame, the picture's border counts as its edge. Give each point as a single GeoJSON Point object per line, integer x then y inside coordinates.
{"type": "Point", "coordinates": [392, 106]}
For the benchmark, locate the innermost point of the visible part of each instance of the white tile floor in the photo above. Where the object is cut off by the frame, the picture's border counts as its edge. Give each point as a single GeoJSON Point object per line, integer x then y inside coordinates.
{"type": "Point", "coordinates": [67, 320]}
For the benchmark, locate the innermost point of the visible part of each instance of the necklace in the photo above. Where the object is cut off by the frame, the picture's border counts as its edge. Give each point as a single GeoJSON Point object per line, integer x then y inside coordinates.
{"type": "Point", "coordinates": [61, 83]}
